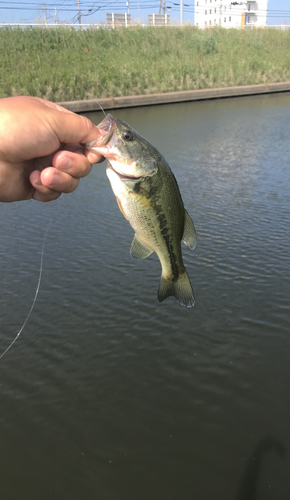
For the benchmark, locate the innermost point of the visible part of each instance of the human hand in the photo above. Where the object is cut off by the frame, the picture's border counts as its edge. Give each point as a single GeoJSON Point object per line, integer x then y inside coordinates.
{"type": "Point", "coordinates": [41, 152]}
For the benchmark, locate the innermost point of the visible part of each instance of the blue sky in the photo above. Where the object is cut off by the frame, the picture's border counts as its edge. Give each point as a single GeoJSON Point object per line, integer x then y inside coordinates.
{"type": "Point", "coordinates": [29, 10]}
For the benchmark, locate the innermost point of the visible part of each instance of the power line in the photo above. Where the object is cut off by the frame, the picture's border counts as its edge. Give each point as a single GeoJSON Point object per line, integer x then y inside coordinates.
{"type": "Point", "coordinates": [72, 6]}
{"type": "Point", "coordinates": [86, 8]}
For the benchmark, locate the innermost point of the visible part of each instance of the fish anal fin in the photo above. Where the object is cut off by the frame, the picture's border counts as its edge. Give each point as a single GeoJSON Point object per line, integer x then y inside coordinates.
{"type": "Point", "coordinates": [189, 234]}
{"type": "Point", "coordinates": [139, 250]}
{"type": "Point", "coordinates": [121, 207]}
{"type": "Point", "coordinates": [180, 289]}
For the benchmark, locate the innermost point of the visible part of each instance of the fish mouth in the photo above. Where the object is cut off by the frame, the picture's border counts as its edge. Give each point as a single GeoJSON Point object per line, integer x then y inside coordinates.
{"type": "Point", "coordinates": [107, 145]}
{"type": "Point", "coordinates": [107, 128]}
{"type": "Point", "coordinates": [124, 177]}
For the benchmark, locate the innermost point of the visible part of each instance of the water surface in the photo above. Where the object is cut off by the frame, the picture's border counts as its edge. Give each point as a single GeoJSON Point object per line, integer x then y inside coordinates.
{"type": "Point", "coordinates": [108, 394]}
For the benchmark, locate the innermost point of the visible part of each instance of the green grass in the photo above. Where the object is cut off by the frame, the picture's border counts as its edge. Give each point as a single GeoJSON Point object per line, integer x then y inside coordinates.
{"type": "Point", "coordinates": [65, 64]}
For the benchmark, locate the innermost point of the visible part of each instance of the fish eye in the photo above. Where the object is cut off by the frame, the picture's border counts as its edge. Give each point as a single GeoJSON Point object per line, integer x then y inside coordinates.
{"type": "Point", "coordinates": [127, 135]}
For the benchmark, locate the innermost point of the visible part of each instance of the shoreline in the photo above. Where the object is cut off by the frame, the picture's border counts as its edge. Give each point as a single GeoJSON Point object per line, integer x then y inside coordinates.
{"type": "Point", "coordinates": [173, 97]}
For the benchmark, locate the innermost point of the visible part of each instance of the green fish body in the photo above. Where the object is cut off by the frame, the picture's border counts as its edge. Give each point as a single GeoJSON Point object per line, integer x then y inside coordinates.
{"type": "Point", "coordinates": [149, 198]}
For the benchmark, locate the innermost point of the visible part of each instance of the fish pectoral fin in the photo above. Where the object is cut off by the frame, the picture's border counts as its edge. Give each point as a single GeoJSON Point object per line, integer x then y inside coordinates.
{"type": "Point", "coordinates": [189, 234]}
{"type": "Point", "coordinates": [139, 250]}
{"type": "Point", "coordinates": [144, 198]}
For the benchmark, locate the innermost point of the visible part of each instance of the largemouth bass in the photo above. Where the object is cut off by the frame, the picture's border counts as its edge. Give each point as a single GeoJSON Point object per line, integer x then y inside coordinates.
{"type": "Point", "coordinates": [148, 196]}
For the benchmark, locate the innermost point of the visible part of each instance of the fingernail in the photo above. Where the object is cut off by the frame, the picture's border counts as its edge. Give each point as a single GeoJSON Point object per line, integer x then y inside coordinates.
{"type": "Point", "coordinates": [35, 178]}
{"type": "Point", "coordinates": [94, 157]}
{"type": "Point", "coordinates": [66, 162]}
{"type": "Point", "coordinates": [55, 180]}
{"type": "Point", "coordinates": [37, 182]}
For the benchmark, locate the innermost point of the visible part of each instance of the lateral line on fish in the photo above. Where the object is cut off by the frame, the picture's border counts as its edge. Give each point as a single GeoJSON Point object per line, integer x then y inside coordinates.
{"type": "Point", "coordinates": [37, 289]}
{"type": "Point", "coordinates": [147, 192]}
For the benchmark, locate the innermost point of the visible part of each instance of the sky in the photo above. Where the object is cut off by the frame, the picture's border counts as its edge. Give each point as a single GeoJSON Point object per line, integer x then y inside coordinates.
{"type": "Point", "coordinates": [95, 11]}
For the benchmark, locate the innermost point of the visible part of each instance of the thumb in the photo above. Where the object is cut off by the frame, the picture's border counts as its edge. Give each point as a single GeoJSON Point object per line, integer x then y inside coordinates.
{"type": "Point", "coordinates": [72, 128]}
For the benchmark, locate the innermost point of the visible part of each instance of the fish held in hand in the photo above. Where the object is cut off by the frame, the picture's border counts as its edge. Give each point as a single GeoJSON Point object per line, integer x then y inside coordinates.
{"type": "Point", "coordinates": [148, 196]}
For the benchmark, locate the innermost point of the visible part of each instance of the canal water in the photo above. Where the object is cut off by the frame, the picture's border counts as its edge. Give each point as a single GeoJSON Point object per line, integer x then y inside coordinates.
{"type": "Point", "coordinates": [108, 394]}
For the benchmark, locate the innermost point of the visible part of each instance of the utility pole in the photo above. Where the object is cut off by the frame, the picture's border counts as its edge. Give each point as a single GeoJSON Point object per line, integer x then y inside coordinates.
{"type": "Point", "coordinates": [128, 7]}
{"type": "Point", "coordinates": [79, 7]}
{"type": "Point", "coordinates": [45, 16]}
{"type": "Point", "coordinates": [164, 10]}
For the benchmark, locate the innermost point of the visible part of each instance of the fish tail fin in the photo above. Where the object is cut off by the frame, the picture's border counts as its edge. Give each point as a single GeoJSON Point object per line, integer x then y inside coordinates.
{"type": "Point", "coordinates": [180, 289]}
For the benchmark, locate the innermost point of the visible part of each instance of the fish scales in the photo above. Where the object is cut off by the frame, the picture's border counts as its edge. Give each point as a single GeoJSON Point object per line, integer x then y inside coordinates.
{"type": "Point", "coordinates": [149, 198]}
{"type": "Point", "coordinates": [166, 221]}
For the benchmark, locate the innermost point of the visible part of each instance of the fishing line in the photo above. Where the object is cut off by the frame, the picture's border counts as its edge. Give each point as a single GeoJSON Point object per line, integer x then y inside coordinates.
{"type": "Point", "coordinates": [37, 288]}
{"type": "Point", "coordinates": [101, 108]}
{"type": "Point", "coordinates": [39, 277]}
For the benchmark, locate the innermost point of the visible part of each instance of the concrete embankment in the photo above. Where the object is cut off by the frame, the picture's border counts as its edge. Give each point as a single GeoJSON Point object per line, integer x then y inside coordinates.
{"type": "Point", "coordinates": [173, 97]}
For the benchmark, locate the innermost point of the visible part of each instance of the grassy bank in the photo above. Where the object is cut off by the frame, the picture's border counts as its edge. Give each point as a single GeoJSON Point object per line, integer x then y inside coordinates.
{"type": "Point", "coordinates": [65, 64]}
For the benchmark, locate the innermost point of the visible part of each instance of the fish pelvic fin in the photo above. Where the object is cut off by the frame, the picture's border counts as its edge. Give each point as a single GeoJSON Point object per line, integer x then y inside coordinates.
{"type": "Point", "coordinates": [181, 289]}
{"type": "Point", "coordinates": [189, 234]}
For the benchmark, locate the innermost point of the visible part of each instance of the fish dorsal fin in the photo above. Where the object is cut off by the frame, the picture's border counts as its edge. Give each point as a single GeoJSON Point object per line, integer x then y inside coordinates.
{"type": "Point", "coordinates": [189, 234]}
{"type": "Point", "coordinates": [138, 250]}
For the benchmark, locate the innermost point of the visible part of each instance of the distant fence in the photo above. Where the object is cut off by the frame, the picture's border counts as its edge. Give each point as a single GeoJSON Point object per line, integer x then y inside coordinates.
{"type": "Point", "coordinates": [53, 25]}
{"type": "Point", "coordinates": [276, 26]}
{"type": "Point", "coordinates": [158, 19]}
{"type": "Point", "coordinates": [115, 20]}
{"type": "Point", "coordinates": [110, 26]}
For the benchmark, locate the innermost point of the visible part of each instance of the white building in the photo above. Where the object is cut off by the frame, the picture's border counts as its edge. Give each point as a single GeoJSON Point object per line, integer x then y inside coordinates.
{"type": "Point", "coordinates": [235, 14]}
